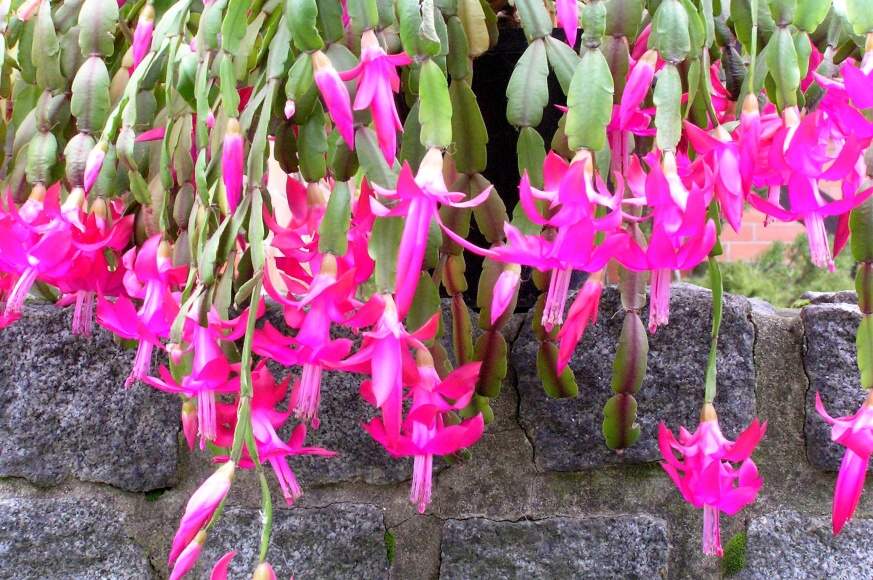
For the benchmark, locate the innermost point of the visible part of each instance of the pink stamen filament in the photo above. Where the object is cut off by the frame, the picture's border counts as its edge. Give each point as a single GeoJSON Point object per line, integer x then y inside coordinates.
{"type": "Point", "coordinates": [309, 394]}
{"type": "Point", "coordinates": [206, 416]}
{"type": "Point", "coordinates": [287, 480]}
{"type": "Point", "coordinates": [83, 315]}
{"type": "Point", "coordinates": [711, 532]}
{"type": "Point", "coordinates": [819, 248]}
{"type": "Point", "coordinates": [141, 364]}
{"type": "Point", "coordinates": [422, 476]}
{"type": "Point", "coordinates": [19, 292]}
{"type": "Point", "coordinates": [659, 309]}
{"type": "Point", "coordinates": [556, 299]}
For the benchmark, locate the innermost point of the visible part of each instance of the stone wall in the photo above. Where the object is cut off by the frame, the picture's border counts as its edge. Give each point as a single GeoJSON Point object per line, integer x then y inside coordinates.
{"type": "Point", "coordinates": [94, 477]}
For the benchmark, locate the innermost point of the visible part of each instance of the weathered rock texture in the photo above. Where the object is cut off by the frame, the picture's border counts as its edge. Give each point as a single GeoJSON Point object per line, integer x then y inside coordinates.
{"type": "Point", "coordinates": [566, 433]}
{"type": "Point", "coordinates": [541, 496]}
{"type": "Point", "coordinates": [557, 547]}
{"type": "Point", "coordinates": [64, 410]}
{"type": "Point", "coordinates": [75, 538]}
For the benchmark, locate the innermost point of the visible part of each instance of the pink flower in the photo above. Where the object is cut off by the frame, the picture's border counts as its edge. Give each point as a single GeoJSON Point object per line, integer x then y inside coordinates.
{"type": "Point", "coordinates": [232, 164]}
{"type": "Point", "coordinates": [94, 163]}
{"type": "Point", "coordinates": [855, 433]}
{"type": "Point", "coordinates": [424, 433]}
{"type": "Point", "coordinates": [219, 571]}
{"type": "Point", "coordinates": [266, 421]}
{"type": "Point", "coordinates": [188, 557]}
{"type": "Point", "coordinates": [335, 95]}
{"type": "Point", "coordinates": [582, 312]}
{"type": "Point", "coordinates": [151, 277]}
{"type": "Point", "coordinates": [639, 82]}
{"type": "Point", "coordinates": [378, 83]}
{"type": "Point", "coordinates": [568, 19]}
{"type": "Point", "coordinates": [142, 35]}
{"type": "Point", "coordinates": [705, 475]}
{"type": "Point", "coordinates": [189, 422]}
{"type": "Point", "coordinates": [199, 510]}
{"type": "Point", "coordinates": [419, 202]}
{"type": "Point", "coordinates": [504, 290]}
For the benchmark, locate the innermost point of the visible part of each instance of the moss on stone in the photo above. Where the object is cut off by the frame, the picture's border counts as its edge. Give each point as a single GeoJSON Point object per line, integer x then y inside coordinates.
{"type": "Point", "coordinates": [390, 546]}
{"type": "Point", "coordinates": [735, 554]}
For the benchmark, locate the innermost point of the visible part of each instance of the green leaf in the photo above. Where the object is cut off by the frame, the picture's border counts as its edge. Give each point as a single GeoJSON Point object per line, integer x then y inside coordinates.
{"type": "Point", "coordinates": [229, 94]}
{"type": "Point", "coordinates": [535, 18]}
{"type": "Point", "coordinates": [435, 106]}
{"type": "Point", "coordinates": [528, 89]}
{"type": "Point", "coordinates": [334, 228]}
{"type": "Point", "coordinates": [411, 149]}
{"type": "Point", "coordinates": [668, 108]}
{"type": "Point", "coordinates": [623, 18]}
{"type": "Point", "coordinates": [859, 13]}
{"type": "Point", "coordinates": [98, 20]}
{"type": "Point", "coordinates": [861, 226]}
{"type": "Point", "coordinates": [557, 385]}
{"type": "Point", "coordinates": [209, 256]}
{"type": "Point", "coordinates": [384, 242]}
{"type": "Point", "coordinates": [589, 103]}
{"type": "Point", "coordinates": [783, 66]}
{"type": "Point", "coordinates": [301, 17]}
{"type": "Point", "coordinates": [491, 349]}
{"type": "Point", "coordinates": [811, 13]}
{"type": "Point", "coordinates": [312, 143]}
{"type": "Point", "coordinates": [671, 35]}
{"type": "Point", "coordinates": [620, 428]}
{"type": "Point", "coordinates": [563, 61]}
{"type": "Point", "coordinates": [255, 233]}
{"type": "Point", "coordinates": [46, 51]}
{"type": "Point", "coordinates": [462, 330]}
{"type": "Point", "coordinates": [631, 357]}
{"type": "Point", "coordinates": [90, 101]}
{"type": "Point", "coordinates": [468, 127]}
{"type": "Point", "coordinates": [425, 304]}
{"type": "Point", "coordinates": [371, 159]}
{"type": "Point", "coordinates": [233, 27]}
{"type": "Point", "coordinates": [330, 21]}
{"type": "Point", "coordinates": [42, 154]}
{"type": "Point", "coordinates": [531, 155]}
{"type": "Point", "coordinates": [864, 344]}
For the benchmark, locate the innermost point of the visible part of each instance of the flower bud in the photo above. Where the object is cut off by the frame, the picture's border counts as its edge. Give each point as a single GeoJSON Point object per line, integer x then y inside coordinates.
{"type": "Point", "coordinates": [94, 163]}
{"type": "Point", "coordinates": [232, 164]}
{"type": "Point", "coordinates": [264, 572]}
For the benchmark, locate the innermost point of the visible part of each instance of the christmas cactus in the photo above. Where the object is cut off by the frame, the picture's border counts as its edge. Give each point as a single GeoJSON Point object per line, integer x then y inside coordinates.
{"type": "Point", "coordinates": [139, 136]}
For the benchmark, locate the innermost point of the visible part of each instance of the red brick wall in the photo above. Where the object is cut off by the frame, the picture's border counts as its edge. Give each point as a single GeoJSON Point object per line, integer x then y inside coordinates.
{"type": "Point", "coordinates": [753, 238]}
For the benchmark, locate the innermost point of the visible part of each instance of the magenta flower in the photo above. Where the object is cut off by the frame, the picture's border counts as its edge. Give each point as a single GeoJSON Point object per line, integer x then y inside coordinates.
{"type": "Point", "coordinates": [335, 95]}
{"type": "Point", "coordinates": [425, 433]}
{"type": "Point", "coordinates": [152, 278]}
{"type": "Point", "coordinates": [142, 34]}
{"type": "Point", "coordinates": [567, 12]}
{"type": "Point", "coordinates": [582, 312]}
{"type": "Point", "coordinates": [639, 81]}
{"type": "Point", "coordinates": [188, 557]}
{"type": "Point", "coordinates": [419, 199]}
{"type": "Point", "coordinates": [855, 433]}
{"type": "Point", "coordinates": [385, 356]}
{"type": "Point", "coordinates": [94, 163]}
{"type": "Point", "coordinates": [504, 290]}
{"type": "Point", "coordinates": [704, 472]}
{"type": "Point", "coordinates": [219, 571]}
{"type": "Point", "coordinates": [189, 422]}
{"type": "Point", "coordinates": [199, 510]}
{"type": "Point", "coordinates": [376, 88]}
{"type": "Point", "coordinates": [266, 421]}
{"type": "Point", "coordinates": [232, 164]}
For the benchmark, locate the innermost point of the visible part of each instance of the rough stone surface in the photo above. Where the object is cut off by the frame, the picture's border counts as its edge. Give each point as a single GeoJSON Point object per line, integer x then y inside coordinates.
{"type": "Point", "coordinates": [841, 297]}
{"type": "Point", "coordinates": [788, 545]}
{"type": "Point", "coordinates": [559, 547]}
{"type": "Point", "coordinates": [64, 411]}
{"type": "Point", "coordinates": [832, 369]}
{"type": "Point", "coordinates": [566, 434]}
{"type": "Point", "coordinates": [339, 541]}
{"type": "Point", "coordinates": [70, 538]}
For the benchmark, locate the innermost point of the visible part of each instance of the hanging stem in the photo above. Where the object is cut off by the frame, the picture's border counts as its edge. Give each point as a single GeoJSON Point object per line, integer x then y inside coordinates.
{"type": "Point", "coordinates": [266, 515]}
{"type": "Point", "coordinates": [715, 280]}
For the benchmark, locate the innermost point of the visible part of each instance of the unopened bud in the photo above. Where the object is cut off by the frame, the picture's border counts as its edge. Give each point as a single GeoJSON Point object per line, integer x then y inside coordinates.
{"type": "Point", "coordinates": [264, 572]}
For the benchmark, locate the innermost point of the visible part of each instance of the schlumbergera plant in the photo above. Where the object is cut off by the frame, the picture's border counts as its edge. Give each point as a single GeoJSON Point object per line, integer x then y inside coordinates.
{"type": "Point", "coordinates": [137, 145]}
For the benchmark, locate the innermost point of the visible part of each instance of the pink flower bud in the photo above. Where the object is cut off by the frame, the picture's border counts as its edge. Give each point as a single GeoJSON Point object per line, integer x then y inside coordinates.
{"type": "Point", "coordinates": [94, 163]}
{"type": "Point", "coordinates": [142, 35]}
{"type": "Point", "coordinates": [199, 510]}
{"type": "Point", "coordinates": [290, 108]}
{"type": "Point", "coordinates": [189, 423]}
{"type": "Point", "coordinates": [189, 556]}
{"type": "Point", "coordinates": [232, 164]}
{"type": "Point", "coordinates": [504, 291]}
{"type": "Point", "coordinates": [335, 95]}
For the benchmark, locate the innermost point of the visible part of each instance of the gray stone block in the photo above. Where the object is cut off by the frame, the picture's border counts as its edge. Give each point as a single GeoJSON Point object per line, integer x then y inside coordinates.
{"type": "Point", "coordinates": [787, 545]}
{"type": "Point", "coordinates": [338, 541]}
{"type": "Point", "coordinates": [566, 433]}
{"type": "Point", "coordinates": [69, 538]}
{"type": "Point", "coordinates": [64, 411]}
{"type": "Point", "coordinates": [559, 547]}
{"type": "Point", "coordinates": [831, 365]}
